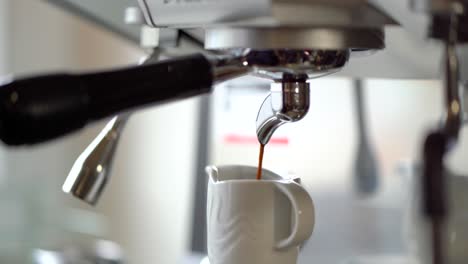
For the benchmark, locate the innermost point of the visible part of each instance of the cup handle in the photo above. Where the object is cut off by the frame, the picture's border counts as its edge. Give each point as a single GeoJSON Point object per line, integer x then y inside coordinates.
{"type": "Point", "coordinates": [303, 210]}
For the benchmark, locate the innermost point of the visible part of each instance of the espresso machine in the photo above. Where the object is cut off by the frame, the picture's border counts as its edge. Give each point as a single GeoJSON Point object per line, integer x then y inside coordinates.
{"type": "Point", "coordinates": [286, 42]}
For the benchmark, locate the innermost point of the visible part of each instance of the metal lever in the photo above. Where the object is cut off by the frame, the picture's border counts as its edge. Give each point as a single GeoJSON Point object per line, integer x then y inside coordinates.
{"type": "Point", "coordinates": [438, 143]}
{"type": "Point", "coordinates": [453, 119]}
{"type": "Point", "coordinates": [91, 170]}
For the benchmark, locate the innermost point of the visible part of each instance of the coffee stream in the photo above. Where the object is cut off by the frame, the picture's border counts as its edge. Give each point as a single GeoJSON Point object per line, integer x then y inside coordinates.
{"type": "Point", "coordinates": [260, 162]}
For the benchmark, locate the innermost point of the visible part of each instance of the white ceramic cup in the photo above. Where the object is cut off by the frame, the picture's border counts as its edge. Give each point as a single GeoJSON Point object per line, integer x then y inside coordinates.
{"type": "Point", "coordinates": [253, 221]}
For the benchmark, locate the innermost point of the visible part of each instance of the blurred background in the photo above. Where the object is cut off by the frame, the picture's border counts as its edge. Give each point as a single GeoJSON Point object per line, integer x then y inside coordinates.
{"type": "Point", "coordinates": [150, 208]}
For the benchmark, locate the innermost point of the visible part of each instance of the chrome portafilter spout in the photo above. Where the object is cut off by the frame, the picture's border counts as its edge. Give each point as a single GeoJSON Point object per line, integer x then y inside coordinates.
{"type": "Point", "coordinates": [288, 101]}
{"type": "Point", "coordinates": [91, 170]}
{"type": "Point", "coordinates": [289, 97]}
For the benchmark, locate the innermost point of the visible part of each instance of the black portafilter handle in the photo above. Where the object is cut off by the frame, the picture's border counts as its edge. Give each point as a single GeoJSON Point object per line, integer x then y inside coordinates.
{"type": "Point", "coordinates": [38, 109]}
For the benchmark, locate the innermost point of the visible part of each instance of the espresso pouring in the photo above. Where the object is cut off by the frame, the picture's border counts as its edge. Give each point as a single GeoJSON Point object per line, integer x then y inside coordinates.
{"type": "Point", "coordinates": [260, 162]}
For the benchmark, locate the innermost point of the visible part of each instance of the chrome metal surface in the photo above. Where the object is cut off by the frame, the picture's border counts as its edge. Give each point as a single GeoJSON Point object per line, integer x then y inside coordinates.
{"type": "Point", "coordinates": [262, 13]}
{"type": "Point", "coordinates": [436, 6]}
{"type": "Point", "coordinates": [288, 102]}
{"type": "Point", "coordinates": [464, 95]}
{"type": "Point", "coordinates": [329, 38]}
{"type": "Point", "coordinates": [133, 16]}
{"type": "Point", "coordinates": [97, 252]}
{"type": "Point", "coordinates": [453, 119]}
{"type": "Point", "coordinates": [229, 65]}
{"type": "Point", "coordinates": [274, 64]}
{"type": "Point", "coordinates": [91, 170]}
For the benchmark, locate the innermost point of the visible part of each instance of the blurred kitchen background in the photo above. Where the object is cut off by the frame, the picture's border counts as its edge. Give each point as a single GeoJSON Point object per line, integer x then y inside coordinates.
{"type": "Point", "coordinates": [150, 207]}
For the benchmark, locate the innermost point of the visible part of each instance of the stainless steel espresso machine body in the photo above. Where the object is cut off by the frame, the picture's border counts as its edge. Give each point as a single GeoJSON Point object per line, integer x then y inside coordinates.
{"type": "Point", "coordinates": [285, 41]}
{"type": "Point", "coordinates": [267, 43]}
